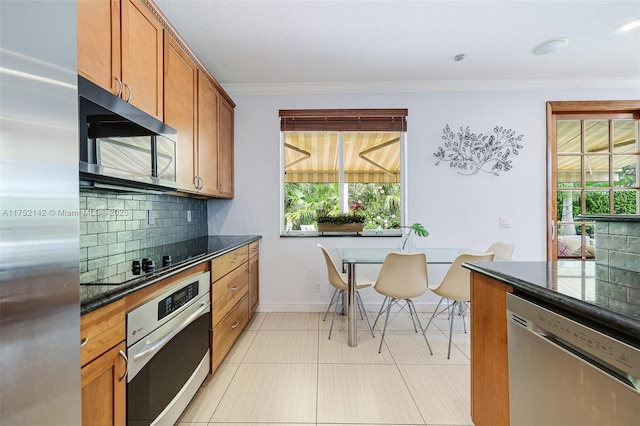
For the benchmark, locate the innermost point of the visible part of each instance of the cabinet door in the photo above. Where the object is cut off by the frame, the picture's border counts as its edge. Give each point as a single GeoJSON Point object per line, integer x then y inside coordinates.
{"type": "Point", "coordinates": [225, 149]}
{"type": "Point", "coordinates": [99, 42]}
{"type": "Point", "coordinates": [489, 354]}
{"type": "Point", "coordinates": [180, 90]}
{"type": "Point", "coordinates": [207, 136]}
{"type": "Point", "coordinates": [254, 284]}
{"type": "Point", "coordinates": [104, 389]}
{"type": "Point", "coordinates": [142, 37]}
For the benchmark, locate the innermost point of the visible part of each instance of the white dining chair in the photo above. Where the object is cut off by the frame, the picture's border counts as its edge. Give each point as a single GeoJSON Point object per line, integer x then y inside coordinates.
{"type": "Point", "coordinates": [456, 286]}
{"type": "Point", "coordinates": [402, 277]}
{"type": "Point", "coordinates": [503, 251]}
{"type": "Point", "coordinates": [339, 281]}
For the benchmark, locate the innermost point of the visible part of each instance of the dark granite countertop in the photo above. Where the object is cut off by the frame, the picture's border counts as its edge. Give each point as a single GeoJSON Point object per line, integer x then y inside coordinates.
{"type": "Point", "coordinates": [611, 217]}
{"type": "Point", "coordinates": [185, 254]}
{"type": "Point", "coordinates": [574, 287]}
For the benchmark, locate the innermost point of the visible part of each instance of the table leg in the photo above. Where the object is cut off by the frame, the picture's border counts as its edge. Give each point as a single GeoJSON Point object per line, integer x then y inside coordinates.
{"type": "Point", "coordinates": [352, 318]}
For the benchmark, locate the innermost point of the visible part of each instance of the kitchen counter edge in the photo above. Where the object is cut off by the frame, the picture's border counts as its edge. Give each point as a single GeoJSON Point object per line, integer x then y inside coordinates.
{"type": "Point", "coordinates": [605, 317]}
{"type": "Point", "coordinates": [103, 300]}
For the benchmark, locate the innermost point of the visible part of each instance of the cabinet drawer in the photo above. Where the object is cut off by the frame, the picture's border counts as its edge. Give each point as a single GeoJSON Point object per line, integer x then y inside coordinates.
{"type": "Point", "coordinates": [222, 265]}
{"type": "Point", "coordinates": [228, 329]}
{"type": "Point", "coordinates": [228, 290]}
{"type": "Point", "coordinates": [254, 249]}
{"type": "Point", "coordinates": [101, 330]}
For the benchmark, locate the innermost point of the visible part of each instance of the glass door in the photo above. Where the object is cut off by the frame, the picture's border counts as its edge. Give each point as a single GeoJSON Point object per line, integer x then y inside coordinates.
{"type": "Point", "coordinates": [594, 164]}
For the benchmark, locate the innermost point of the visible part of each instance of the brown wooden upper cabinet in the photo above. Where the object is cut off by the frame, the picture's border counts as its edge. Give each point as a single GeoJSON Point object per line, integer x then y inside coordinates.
{"type": "Point", "coordinates": [120, 48]}
{"type": "Point", "coordinates": [134, 53]}
{"type": "Point", "coordinates": [207, 152]}
{"type": "Point", "coordinates": [180, 108]}
{"type": "Point", "coordinates": [225, 149]}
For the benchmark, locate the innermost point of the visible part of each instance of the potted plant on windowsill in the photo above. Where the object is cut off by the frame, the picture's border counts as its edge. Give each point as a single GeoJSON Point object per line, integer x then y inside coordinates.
{"type": "Point", "coordinates": [346, 222]}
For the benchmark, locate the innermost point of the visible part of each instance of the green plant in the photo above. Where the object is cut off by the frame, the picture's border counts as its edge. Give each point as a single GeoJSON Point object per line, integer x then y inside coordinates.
{"type": "Point", "coordinates": [341, 218]}
{"type": "Point", "coordinates": [416, 228]}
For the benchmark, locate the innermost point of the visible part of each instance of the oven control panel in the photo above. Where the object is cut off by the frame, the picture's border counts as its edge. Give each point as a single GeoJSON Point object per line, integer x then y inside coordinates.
{"type": "Point", "coordinates": [166, 306]}
{"type": "Point", "coordinates": [177, 299]}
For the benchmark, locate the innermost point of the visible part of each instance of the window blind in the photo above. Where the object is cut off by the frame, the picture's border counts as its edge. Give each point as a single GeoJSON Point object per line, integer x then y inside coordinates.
{"type": "Point", "coordinates": [344, 120]}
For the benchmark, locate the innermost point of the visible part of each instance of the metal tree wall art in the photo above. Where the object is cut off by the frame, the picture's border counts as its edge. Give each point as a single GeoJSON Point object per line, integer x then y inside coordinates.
{"type": "Point", "coordinates": [471, 153]}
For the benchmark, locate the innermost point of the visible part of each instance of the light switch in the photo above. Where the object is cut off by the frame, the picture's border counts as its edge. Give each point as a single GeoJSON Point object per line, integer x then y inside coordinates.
{"type": "Point", "coordinates": [152, 217]}
{"type": "Point", "coordinates": [188, 215]}
{"type": "Point", "coordinates": [505, 222]}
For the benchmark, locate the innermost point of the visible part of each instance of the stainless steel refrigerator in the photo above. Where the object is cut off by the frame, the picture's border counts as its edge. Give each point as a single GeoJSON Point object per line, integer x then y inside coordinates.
{"type": "Point", "coordinates": [39, 250]}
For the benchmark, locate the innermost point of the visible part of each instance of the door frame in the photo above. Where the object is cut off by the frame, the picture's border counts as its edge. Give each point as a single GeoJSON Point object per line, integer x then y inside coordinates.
{"type": "Point", "coordinates": [559, 108]}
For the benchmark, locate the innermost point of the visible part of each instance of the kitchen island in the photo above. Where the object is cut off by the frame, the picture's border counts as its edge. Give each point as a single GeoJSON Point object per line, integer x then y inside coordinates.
{"type": "Point", "coordinates": [570, 287]}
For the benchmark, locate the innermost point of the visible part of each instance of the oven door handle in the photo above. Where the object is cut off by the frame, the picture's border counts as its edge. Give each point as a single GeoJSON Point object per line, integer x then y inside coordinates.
{"type": "Point", "coordinates": [158, 344]}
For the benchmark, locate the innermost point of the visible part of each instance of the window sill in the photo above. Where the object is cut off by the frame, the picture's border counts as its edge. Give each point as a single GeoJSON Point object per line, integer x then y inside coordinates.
{"type": "Point", "coordinates": [316, 234]}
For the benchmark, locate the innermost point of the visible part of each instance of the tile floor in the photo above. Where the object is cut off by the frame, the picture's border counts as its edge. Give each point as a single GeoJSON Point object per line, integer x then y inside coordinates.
{"type": "Point", "coordinates": [284, 371]}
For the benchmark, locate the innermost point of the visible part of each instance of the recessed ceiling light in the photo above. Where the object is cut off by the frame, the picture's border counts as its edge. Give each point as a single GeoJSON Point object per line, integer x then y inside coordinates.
{"type": "Point", "coordinates": [459, 57]}
{"type": "Point", "coordinates": [550, 46]}
{"type": "Point", "coordinates": [628, 26]}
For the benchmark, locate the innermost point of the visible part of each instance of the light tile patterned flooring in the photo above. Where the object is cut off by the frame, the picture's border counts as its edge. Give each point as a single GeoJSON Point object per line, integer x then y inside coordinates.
{"type": "Point", "coordinates": [284, 371]}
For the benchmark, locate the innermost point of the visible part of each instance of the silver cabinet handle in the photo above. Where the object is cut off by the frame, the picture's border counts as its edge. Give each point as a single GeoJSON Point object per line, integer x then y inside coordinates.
{"type": "Point", "coordinates": [250, 266]}
{"type": "Point", "coordinates": [130, 92]}
{"type": "Point", "coordinates": [126, 364]}
{"type": "Point", "coordinates": [234, 259]}
{"type": "Point", "coordinates": [234, 288]}
{"type": "Point", "coordinates": [120, 87]}
{"type": "Point", "coordinates": [235, 325]}
{"type": "Point", "coordinates": [84, 341]}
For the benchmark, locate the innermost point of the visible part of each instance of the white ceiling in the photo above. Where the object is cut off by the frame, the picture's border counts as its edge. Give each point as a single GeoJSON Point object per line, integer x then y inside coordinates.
{"type": "Point", "coordinates": [253, 45]}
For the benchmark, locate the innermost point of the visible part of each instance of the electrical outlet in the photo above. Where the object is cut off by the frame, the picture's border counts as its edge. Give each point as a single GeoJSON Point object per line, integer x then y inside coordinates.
{"type": "Point", "coordinates": [318, 288]}
{"type": "Point", "coordinates": [188, 215]}
{"type": "Point", "coordinates": [152, 217]}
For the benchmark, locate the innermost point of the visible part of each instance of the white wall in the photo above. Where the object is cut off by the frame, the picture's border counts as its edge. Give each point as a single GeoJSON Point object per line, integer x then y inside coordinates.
{"type": "Point", "coordinates": [457, 210]}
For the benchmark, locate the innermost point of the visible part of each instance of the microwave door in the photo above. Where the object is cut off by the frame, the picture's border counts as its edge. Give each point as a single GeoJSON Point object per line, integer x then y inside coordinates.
{"type": "Point", "coordinates": [126, 157]}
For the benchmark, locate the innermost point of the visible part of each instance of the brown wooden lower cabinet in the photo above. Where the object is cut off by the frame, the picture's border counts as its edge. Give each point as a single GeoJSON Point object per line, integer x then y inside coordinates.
{"type": "Point", "coordinates": [104, 385]}
{"type": "Point", "coordinates": [227, 331]}
{"type": "Point", "coordinates": [489, 355]}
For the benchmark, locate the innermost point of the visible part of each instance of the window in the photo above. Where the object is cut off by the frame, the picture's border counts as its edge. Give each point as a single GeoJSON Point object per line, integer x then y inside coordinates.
{"type": "Point", "coordinates": [595, 160]}
{"type": "Point", "coordinates": [342, 162]}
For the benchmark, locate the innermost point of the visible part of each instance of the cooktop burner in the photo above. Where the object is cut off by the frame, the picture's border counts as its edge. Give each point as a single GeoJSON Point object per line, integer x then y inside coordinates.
{"type": "Point", "coordinates": [122, 268]}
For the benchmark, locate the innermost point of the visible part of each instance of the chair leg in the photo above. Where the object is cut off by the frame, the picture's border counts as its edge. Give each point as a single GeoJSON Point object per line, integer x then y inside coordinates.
{"type": "Point", "coordinates": [463, 313]}
{"type": "Point", "coordinates": [380, 311]}
{"type": "Point", "coordinates": [363, 312]}
{"type": "Point", "coordinates": [385, 323]}
{"type": "Point", "coordinates": [435, 312]}
{"type": "Point", "coordinates": [333, 300]}
{"type": "Point", "coordinates": [413, 308]}
{"type": "Point", "coordinates": [335, 312]}
{"type": "Point", "coordinates": [451, 329]}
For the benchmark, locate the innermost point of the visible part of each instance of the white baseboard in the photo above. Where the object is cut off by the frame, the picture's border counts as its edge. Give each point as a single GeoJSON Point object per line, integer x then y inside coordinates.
{"type": "Point", "coordinates": [317, 307]}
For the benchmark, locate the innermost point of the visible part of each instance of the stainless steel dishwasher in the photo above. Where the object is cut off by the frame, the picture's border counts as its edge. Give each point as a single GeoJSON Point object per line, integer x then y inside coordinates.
{"type": "Point", "coordinates": [562, 372]}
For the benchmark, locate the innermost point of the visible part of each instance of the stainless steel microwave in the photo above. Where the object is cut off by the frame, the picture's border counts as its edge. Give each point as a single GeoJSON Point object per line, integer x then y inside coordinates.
{"type": "Point", "coordinates": [121, 144]}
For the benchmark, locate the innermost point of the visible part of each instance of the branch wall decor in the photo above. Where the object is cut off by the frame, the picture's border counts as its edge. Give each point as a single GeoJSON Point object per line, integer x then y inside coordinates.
{"type": "Point", "coordinates": [471, 153]}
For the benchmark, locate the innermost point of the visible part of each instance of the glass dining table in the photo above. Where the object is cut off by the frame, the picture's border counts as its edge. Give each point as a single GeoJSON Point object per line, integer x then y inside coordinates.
{"type": "Point", "coordinates": [353, 256]}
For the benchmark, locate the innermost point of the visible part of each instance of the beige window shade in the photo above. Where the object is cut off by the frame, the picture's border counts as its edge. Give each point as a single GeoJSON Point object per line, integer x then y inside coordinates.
{"type": "Point", "coordinates": [344, 120]}
{"type": "Point", "coordinates": [371, 145]}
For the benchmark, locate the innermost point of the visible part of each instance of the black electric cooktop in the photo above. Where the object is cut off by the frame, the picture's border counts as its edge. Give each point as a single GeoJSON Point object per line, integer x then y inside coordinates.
{"type": "Point", "coordinates": [123, 268]}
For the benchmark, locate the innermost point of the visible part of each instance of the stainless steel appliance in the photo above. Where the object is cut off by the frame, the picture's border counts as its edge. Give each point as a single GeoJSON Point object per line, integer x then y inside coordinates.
{"type": "Point", "coordinates": [563, 372]}
{"type": "Point", "coordinates": [168, 347]}
{"type": "Point", "coordinates": [121, 144]}
{"type": "Point", "coordinates": [39, 258]}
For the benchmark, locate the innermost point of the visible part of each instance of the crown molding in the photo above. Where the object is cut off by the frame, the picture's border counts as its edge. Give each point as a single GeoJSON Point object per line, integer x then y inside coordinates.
{"type": "Point", "coordinates": [477, 85]}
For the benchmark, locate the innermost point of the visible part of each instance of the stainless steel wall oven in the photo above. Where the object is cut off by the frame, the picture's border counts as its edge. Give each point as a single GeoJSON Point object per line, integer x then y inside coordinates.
{"type": "Point", "coordinates": [168, 346]}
